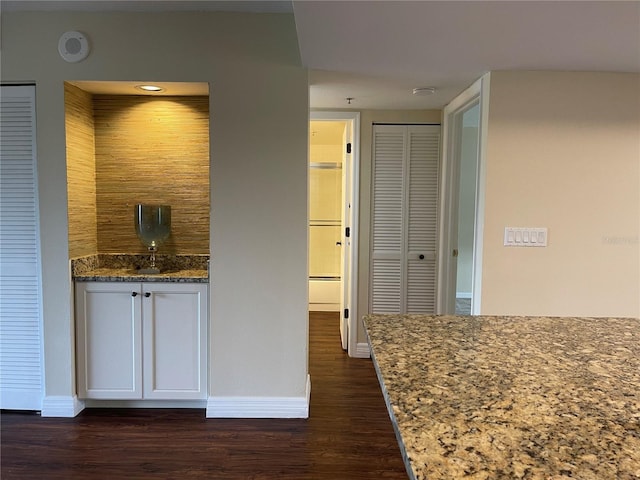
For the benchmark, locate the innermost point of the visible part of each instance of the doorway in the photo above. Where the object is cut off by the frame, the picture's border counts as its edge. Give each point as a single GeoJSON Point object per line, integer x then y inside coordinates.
{"type": "Point", "coordinates": [467, 159]}
{"type": "Point", "coordinates": [333, 193]}
{"type": "Point", "coordinates": [462, 206]}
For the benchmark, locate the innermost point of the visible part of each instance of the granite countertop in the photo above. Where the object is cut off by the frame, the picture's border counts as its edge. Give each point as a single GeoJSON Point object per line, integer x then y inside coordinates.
{"type": "Point", "coordinates": [126, 268]}
{"type": "Point", "coordinates": [511, 397]}
{"type": "Point", "coordinates": [131, 275]}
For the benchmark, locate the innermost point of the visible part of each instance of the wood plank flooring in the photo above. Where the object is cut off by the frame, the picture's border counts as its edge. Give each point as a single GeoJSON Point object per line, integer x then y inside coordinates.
{"type": "Point", "coordinates": [348, 435]}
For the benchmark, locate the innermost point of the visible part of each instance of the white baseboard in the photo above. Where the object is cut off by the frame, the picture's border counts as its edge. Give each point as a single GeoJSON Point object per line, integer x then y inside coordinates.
{"type": "Point", "coordinates": [362, 350]}
{"type": "Point", "coordinates": [61, 406]}
{"type": "Point", "coordinates": [260, 407]}
{"type": "Point", "coordinates": [464, 295]}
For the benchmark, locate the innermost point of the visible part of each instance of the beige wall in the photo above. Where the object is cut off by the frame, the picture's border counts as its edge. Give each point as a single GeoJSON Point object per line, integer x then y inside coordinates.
{"type": "Point", "coordinates": [258, 176]}
{"type": "Point", "coordinates": [563, 152]}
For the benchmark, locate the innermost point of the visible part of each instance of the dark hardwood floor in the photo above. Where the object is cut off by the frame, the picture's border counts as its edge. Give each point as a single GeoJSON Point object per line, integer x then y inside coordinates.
{"type": "Point", "coordinates": [348, 435]}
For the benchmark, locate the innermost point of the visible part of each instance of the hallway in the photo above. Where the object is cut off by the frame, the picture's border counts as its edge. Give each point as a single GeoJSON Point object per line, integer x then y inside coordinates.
{"type": "Point", "coordinates": [348, 435]}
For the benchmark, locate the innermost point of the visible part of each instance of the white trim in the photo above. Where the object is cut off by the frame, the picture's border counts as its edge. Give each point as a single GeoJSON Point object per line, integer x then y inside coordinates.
{"type": "Point", "coordinates": [464, 295]}
{"type": "Point", "coordinates": [362, 350]}
{"type": "Point", "coordinates": [260, 407]}
{"type": "Point", "coordinates": [447, 227]}
{"type": "Point", "coordinates": [61, 406]}
{"type": "Point", "coordinates": [476, 307]}
{"type": "Point", "coordinates": [352, 342]}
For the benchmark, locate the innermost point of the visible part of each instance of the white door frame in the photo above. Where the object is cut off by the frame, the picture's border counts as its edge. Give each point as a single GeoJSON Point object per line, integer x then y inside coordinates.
{"type": "Point", "coordinates": [350, 284]}
{"type": "Point", "coordinates": [445, 301]}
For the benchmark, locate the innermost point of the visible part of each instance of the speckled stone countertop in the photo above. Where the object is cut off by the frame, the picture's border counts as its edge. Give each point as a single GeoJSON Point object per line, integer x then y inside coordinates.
{"type": "Point", "coordinates": [125, 268]}
{"type": "Point", "coordinates": [511, 397]}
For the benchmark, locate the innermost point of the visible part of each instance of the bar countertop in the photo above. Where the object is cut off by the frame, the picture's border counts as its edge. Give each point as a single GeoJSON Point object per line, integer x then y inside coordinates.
{"type": "Point", "coordinates": [127, 268]}
{"type": "Point", "coordinates": [486, 397]}
{"type": "Point", "coordinates": [130, 275]}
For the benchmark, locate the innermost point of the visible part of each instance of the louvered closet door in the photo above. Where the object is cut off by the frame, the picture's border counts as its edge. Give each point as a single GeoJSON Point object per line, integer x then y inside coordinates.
{"type": "Point", "coordinates": [20, 319]}
{"type": "Point", "coordinates": [422, 198]}
{"type": "Point", "coordinates": [405, 175]}
{"type": "Point", "coordinates": [387, 225]}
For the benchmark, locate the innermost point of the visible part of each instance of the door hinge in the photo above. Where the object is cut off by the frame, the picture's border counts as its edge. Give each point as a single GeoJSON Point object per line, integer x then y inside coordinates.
{"type": "Point", "coordinates": [346, 313]}
{"type": "Point", "coordinates": [349, 147]}
{"type": "Point", "coordinates": [347, 232]}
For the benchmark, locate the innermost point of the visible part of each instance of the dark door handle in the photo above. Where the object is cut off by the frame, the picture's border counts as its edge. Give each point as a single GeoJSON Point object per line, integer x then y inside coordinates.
{"type": "Point", "coordinates": [134, 294]}
{"type": "Point", "coordinates": [421, 257]}
{"type": "Point", "coordinates": [147, 294]}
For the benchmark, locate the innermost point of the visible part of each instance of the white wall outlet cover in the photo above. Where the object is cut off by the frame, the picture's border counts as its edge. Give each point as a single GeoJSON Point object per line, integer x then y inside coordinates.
{"type": "Point", "coordinates": [73, 46]}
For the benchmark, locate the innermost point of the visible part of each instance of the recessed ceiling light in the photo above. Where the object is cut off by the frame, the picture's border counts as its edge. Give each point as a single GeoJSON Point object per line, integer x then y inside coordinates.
{"type": "Point", "coordinates": [422, 91]}
{"type": "Point", "coordinates": [150, 88]}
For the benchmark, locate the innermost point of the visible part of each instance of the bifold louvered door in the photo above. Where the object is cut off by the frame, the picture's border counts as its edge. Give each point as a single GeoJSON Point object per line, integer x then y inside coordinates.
{"type": "Point", "coordinates": [20, 298]}
{"type": "Point", "coordinates": [404, 206]}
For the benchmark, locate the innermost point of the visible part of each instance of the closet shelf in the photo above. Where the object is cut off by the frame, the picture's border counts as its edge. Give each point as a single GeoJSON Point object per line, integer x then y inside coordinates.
{"type": "Point", "coordinates": [324, 223]}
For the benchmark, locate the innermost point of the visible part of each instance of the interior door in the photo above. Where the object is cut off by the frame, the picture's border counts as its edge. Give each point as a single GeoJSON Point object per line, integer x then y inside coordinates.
{"type": "Point", "coordinates": [404, 218]}
{"type": "Point", "coordinates": [421, 218]}
{"type": "Point", "coordinates": [20, 276]}
{"type": "Point", "coordinates": [387, 219]}
{"type": "Point", "coordinates": [345, 260]}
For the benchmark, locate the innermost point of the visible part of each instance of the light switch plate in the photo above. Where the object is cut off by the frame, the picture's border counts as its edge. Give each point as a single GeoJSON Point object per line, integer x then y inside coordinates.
{"type": "Point", "coordinates": [525, 237]}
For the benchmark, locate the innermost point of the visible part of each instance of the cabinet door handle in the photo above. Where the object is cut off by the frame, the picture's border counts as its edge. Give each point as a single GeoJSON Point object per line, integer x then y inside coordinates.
{"type": "Point", "coordinates": [134, 294]}
{"type": "Point", "coordinates": [147, 294]}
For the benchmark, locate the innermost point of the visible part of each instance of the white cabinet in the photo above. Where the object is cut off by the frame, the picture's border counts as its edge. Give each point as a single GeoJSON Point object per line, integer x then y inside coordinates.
{"type": "Point", "coordinates": [404, 207]}
{"type": "Point", "coordinates": [174, 340]}
{"type": "Point", "coordinates": [141, 340]}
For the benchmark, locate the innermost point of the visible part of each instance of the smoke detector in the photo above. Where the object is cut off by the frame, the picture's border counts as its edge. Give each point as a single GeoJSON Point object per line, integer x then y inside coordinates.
{"type": "Point", "coordinates": [423, 91]}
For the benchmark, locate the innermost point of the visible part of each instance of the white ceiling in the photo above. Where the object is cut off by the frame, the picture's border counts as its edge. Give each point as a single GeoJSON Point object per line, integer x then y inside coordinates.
{"type": "Point", "coordinates": [181, 89]}
{"type": "Point", "coordinates": [377, 51]}
{"type": "Point", "coordinates": [382, 49]}
{"type": "Point", "coordinates": [254, 6]}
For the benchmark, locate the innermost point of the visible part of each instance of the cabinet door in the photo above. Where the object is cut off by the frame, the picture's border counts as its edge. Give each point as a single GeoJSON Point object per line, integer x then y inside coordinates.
{"type": "Point", "coordinates": [175, 340]}
{"type": "Point", "coordinates": [109, 329]}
